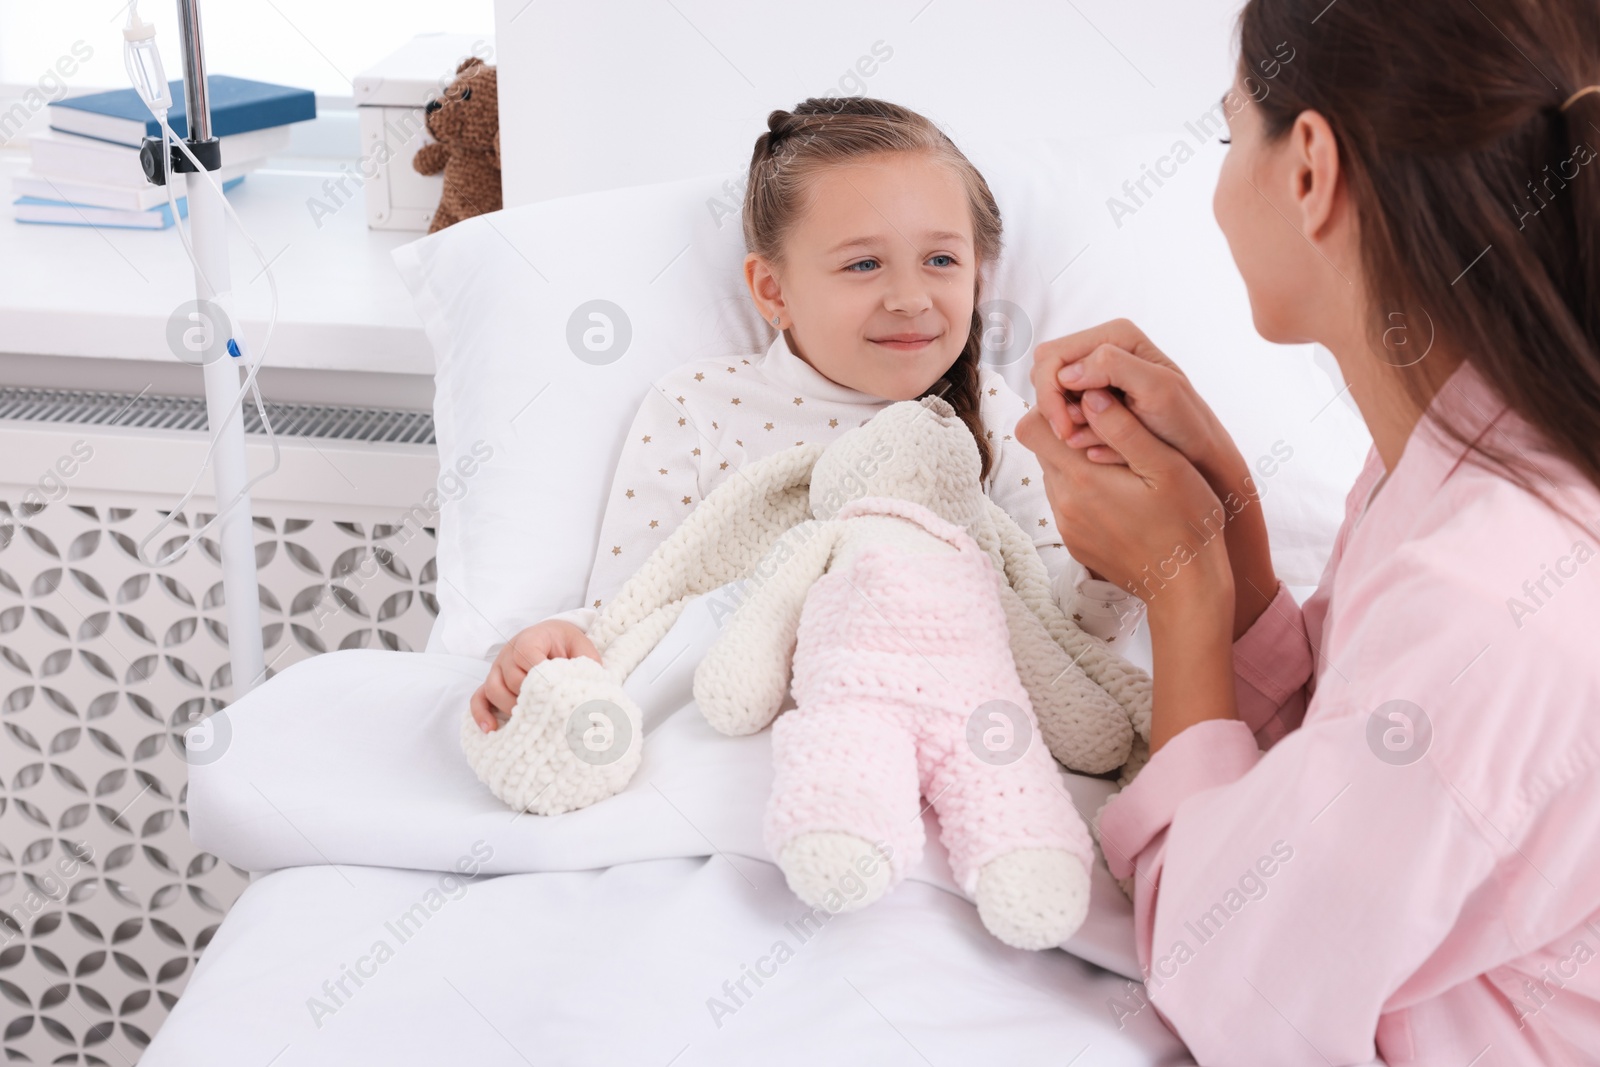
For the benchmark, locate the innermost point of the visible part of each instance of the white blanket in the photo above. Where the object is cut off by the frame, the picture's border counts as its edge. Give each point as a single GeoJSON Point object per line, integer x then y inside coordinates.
{"type": "Point", "coordinates": [352, 758]}
{"type": "Point", "coordinates": [641, 963]}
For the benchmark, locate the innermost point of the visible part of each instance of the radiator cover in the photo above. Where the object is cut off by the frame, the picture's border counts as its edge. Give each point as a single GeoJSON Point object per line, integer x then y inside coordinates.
{"type": "Point", "coordinates": [106, 663]}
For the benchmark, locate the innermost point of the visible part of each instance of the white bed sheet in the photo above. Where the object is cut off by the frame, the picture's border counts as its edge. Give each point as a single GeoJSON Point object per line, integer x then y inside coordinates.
{"type": "Point", "coordinates": [618, 966]}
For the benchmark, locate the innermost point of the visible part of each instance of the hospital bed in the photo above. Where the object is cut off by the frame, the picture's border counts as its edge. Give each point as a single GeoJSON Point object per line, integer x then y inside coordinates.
{"type": "Point", "coordinates": [403, 915]}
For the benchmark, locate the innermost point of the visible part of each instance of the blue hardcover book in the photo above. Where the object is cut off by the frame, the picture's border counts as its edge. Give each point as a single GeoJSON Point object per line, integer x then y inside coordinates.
{"type": "Point", "coordinates": [66, 213]}
{"type": "Point", "coordinates": [238, 105]}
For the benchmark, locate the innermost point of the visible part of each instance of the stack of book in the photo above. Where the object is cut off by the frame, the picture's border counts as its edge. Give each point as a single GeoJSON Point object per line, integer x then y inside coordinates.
{"type": "Point", "coordinates": [85, 168]}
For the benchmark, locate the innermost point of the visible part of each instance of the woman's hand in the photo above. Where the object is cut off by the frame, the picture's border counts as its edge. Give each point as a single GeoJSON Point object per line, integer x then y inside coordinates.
{"type": "Point", "coordinates": [1117, 355]}
{"type": "Point", "coordinates": [1116, 359]}
{"type": "Point", "coordinates": [551, 639]}
{"type": "Point", "coordinates": [1143, 524]}
{"type": "Point", "coordinates": [1153, 526]}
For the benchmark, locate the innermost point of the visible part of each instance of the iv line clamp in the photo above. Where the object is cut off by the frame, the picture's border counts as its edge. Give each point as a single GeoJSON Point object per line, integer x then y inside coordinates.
{"type": "Point", "coordinates": [208, 152]}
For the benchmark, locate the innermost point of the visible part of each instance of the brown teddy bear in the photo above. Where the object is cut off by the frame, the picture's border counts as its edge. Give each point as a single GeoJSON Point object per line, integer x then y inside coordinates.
{"type": "Point", "coordinates": [465, 123]}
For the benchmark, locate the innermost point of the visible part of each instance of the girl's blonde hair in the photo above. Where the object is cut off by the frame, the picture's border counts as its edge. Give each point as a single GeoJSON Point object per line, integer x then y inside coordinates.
{"type": "Point", "coordinates": [826, 132]}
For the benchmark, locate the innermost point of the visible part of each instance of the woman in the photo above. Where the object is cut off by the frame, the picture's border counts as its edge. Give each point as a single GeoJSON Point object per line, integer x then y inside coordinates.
{"type": "Point", "coordinates": [1410, 866]}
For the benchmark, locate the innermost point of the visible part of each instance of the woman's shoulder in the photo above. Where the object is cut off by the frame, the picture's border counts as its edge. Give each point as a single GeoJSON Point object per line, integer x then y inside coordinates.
{"type": "Point", "coordinates": [1479, 510]}
{"type": "Point", "coordinates": [1477, 624]}
{"type": "Point", "coordinates": [1487, 556]}
{"type": "Point", "coordinates": [1509, 507]}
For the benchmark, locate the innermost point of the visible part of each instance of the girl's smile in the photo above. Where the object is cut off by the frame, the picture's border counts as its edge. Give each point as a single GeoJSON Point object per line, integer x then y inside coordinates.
{"type": "Point", "coordinates": [906, 342]}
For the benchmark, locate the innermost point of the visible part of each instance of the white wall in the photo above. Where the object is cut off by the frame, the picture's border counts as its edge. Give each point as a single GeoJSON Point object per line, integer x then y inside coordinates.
{"type": "Point", "coordinates": [597, 95]}
{"type": "Point", "coordinates": [312, 44]}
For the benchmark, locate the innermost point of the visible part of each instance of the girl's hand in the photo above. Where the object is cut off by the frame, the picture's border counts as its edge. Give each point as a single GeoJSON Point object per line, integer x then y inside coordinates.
{"type": "Point", "coordinates": [551, 639]}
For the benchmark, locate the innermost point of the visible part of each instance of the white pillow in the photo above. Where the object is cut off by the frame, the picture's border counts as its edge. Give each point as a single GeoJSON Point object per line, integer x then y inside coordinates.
{"type": "Point", "coordinates": [533, 420]}
{"type": "Point", "coordinates": [496, 295]}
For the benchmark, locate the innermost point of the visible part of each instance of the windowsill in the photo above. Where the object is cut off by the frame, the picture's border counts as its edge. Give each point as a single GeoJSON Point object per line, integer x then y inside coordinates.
{"type": "Point", "coordinates": [102, 293]}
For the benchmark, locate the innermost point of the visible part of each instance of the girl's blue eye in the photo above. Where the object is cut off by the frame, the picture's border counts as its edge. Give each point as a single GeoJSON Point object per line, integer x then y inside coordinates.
{"type": "Point", "coordinates": [862, 263]}
{"type": "Point", "coordinates": [949, 260]}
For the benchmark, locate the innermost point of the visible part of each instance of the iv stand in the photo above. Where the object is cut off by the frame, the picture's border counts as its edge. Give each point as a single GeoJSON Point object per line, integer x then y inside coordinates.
{"type": "Point", "coordinates": [213, 285]}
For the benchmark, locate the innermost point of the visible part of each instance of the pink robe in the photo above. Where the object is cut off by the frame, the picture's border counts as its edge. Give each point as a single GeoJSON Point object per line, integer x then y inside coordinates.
{"type": "Point", "coordinates": [1411, 868]}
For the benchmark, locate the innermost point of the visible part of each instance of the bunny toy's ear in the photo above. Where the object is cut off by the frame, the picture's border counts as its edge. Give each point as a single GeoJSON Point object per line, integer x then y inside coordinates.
{"type": "Point", "coordinates": [721, 540]}
{"type": "Point", "coordinates": [1124, 682]}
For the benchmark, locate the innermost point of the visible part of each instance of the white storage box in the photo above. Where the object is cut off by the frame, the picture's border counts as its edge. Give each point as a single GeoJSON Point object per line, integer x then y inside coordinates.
{"type": "Point", "coordinates": [390, 97]}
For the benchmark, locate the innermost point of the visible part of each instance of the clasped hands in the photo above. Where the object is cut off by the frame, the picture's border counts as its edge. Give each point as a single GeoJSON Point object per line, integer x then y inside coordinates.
{"type": "Point", "coordinates": [1148, 489]}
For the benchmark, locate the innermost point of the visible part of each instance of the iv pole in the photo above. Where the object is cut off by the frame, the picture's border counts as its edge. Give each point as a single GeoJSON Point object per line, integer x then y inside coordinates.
{"type": "Point", "coordinates": [214, 286]}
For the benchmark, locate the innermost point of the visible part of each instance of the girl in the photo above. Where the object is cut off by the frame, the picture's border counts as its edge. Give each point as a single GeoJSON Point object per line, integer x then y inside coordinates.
{"type": "Point", "coordinates": [866, 229]}
{"type": "Point", "coordinates": [1410, 867]}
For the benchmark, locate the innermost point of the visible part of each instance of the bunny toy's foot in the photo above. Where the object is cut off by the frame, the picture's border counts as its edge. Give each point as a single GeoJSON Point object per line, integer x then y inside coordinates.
{"type": "Point", "coordinates": [837, 871]}
{"type": "Point", "coordinates": [1033, 898]}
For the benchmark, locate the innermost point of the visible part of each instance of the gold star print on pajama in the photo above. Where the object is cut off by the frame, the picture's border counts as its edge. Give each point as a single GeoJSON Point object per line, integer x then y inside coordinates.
{"type": "Point", "coordinates": [701, 422]}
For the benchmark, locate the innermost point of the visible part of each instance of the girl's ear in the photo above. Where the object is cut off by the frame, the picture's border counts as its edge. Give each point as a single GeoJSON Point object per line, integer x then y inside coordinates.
{"type": "Point", "coordinates": [765, 289]}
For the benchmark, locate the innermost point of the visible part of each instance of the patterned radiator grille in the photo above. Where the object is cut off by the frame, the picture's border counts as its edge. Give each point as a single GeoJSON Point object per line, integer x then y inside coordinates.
{"type": "Point", "coordinates": [160, 412]}
{"type": "Point", "coordinates": [105, 663]}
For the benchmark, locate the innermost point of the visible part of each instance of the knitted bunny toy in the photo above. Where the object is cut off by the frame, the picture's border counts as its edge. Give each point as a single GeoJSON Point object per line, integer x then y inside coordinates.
{"type": "Point", "coordinates": [901, 634]}
{"type": "Point", "coordinates": [927, 653]}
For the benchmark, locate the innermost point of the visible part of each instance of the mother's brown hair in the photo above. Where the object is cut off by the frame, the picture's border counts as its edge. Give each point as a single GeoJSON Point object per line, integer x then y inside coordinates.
{"type": "Point", "coordinates": [1478, 205]}
{"type": "Point", "coordinates": [824, 132]}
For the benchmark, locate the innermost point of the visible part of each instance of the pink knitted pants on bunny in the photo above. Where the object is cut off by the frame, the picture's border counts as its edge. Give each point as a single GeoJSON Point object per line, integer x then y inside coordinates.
{"type": "Point", "coordinates": [905, 685]}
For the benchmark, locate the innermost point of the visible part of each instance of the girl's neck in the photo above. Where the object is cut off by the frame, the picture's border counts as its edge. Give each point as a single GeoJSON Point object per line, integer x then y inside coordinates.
{"type": "Point", "coordinates": [794, 349]}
